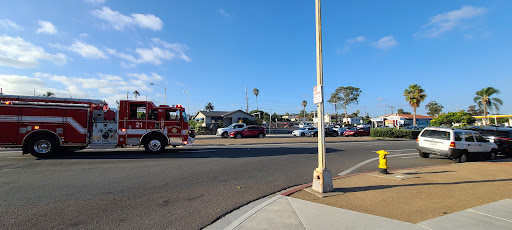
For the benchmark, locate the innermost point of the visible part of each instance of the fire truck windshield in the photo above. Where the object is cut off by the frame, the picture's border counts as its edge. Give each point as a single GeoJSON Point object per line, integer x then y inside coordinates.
{"type": "Point", "coordinates": [185, 117]}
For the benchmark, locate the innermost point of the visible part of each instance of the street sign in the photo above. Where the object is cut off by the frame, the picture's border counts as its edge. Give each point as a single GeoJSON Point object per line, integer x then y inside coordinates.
{"type": "Point", "coordinates": [317, 94]}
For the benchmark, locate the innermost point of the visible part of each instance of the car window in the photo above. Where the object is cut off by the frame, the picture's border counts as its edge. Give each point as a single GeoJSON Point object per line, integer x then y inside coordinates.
{"type": "Point", "coordinates": [479, 138]}
{"type": "Point", "coordinates": [239, 126]}
{"type": "Point", "coordinates": [437, 134]}
{"type": "Point", "coordinates": [468, 136]}
{"type": "Point", "coordinates": [458, 136]}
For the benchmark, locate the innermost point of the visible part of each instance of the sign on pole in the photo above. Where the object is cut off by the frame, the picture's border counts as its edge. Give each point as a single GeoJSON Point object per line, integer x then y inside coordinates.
{"type": "Point", "coordinates": [317, 94]}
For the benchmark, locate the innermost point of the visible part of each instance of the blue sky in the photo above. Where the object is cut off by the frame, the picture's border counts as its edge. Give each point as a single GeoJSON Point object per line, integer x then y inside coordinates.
{"type": "Point", "coordinates": [102, 49]}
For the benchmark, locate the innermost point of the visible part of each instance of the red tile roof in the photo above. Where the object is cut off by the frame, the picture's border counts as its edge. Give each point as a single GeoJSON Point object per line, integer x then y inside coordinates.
{"type": "Point", "coordinates": [408, 116]}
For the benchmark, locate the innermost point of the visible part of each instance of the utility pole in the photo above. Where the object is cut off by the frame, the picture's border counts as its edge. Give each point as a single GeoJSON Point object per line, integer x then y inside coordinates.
{"type": "Point", "coordinates": [391, 108]}
{"type": "Point", "coordinates": [322, 177]}
{"type": "Point", "coordinates": [270, 123]}
{"type": "Point", "coordinates": [246, 101]}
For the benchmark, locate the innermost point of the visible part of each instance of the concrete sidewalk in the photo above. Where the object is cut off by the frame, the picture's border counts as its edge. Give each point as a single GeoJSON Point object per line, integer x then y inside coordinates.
{"type": "Point", "coordinates": [420, 204]}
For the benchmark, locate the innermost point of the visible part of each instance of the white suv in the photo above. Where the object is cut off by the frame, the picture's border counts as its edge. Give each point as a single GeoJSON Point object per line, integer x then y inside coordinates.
{"type": "Point", "coordinates": [457, 144]}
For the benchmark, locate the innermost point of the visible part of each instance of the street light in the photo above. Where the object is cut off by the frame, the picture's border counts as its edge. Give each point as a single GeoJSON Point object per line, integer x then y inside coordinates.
{"type": "Point", "coordinates": [188, 102]}
{"type": "Point", "coordinates": [322, 177]}
{"type": "Point", "coordinates": [165, 90]}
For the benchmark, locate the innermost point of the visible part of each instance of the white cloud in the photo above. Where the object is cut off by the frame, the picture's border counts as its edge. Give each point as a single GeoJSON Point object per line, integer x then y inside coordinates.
{"type": "Point", "coordinates": [385, 43]}
{"type": "Point", "coordinates": [158, 52]}
{"type": "Point", "coordinates": [448, 21]}
{"type": "Point", "coordinates": [380, 99]}
{"type": "Point", "coordinates": [124, 56]}
{"type": "Point", "coordinates": [145, 77]}
{"type": "Point", "coordinates": [46, 28]}
{"type": "Point", "coordinates": [84, 49]}
{"type": "Point", "coordinates": [94, 1]}
{"type": "Point", "coordinates": [357, 39]}
{"type": "Point", "coordinates": [16, 52]}
{"type": "Point", "coordinates": [223, 12]}
{"type": "Point", "coordinates": [119, 21]}
{"type": "Point", "coordinates": [103, 86]}
{"type": "Point", "coordinates": [9, 25]}
{"type": "Point", "coordinates": [352, 41]}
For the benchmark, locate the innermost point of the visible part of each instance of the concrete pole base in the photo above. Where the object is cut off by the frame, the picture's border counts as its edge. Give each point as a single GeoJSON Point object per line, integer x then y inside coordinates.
{"type": "Point", "coordinates": [322, 180]}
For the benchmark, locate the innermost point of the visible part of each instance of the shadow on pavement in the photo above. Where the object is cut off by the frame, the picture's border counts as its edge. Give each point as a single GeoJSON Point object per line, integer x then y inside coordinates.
{"type": "Point", "coordinates": [188, 153]}
{"type": "Point", "coordinates": [381, 187]}
{"type": "Point", "coordinates": [419, 173]}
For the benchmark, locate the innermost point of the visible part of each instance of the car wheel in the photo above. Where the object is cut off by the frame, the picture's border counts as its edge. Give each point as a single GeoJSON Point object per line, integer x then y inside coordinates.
{"type": "Point", "coordinates": [261, 135]}
{"type": "Point", "coordinates": [42, 146]}
{"type": "Point", "coordinates": [424, 154]}
{"type": "Point", "coordinates": [315, 134]}
{"type": "Point", "coordinates": [356, 135]}
{"type": "Point", "coordinates": [155, 145]}
{"type": "Point", "coordinates": [302, 134]}
{"type": "Point", "coordinates": [225, 135]}
{"type": "Point", "coordinates": [463, 157]}
{"type": "Point", "coordinates": [493, 155]}
{"type": "Point", "coordinates": [335, 134]}
{"type": "Point", "coordinates": [238, 136]}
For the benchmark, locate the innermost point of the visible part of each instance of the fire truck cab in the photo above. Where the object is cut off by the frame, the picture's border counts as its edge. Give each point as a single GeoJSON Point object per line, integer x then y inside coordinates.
{"type": "Point", "coordinates": [43, 126]}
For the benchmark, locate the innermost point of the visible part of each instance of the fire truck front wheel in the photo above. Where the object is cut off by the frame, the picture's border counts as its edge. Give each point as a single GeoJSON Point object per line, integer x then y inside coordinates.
{"type": "Point", "coordinates": [42, 146]}
{"type": "Point", "coordinates": [155, 144]}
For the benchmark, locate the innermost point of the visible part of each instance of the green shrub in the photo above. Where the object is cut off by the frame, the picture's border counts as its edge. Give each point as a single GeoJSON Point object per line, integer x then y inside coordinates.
{"type": "Point", "coordinates": [395, 133]}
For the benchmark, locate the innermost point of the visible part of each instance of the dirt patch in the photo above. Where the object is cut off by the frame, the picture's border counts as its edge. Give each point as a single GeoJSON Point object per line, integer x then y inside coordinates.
{"type": "Point", "coordinates": [436, 191]}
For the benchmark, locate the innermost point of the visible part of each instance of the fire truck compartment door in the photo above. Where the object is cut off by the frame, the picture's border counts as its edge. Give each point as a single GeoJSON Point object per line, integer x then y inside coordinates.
{"type": "Point", "coordinates": [104, 133]}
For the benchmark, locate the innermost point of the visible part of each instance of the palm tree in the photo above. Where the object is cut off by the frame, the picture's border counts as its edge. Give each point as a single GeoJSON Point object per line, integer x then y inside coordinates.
{"type": "Point", "coordinates": [256, 92]}
{"type": "Point", "coordinates": [483, 97]}
{"type": "Point", "coordinates": [304, 103]}
{"type": "Point", "coordinates": [136, 93]}
{"type": "Point", "coordinates": [414, 95]}
{"type": "Point", "coordinates": [209, 107]}
{"type": "Point", "coordinates": [48, 94]}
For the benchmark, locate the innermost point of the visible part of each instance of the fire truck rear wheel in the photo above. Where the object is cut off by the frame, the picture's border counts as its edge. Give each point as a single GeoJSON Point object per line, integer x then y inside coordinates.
{"type": "Point", "coordinates": [155, 145]}
{"type": "Point", "coordinates": [42, 146]}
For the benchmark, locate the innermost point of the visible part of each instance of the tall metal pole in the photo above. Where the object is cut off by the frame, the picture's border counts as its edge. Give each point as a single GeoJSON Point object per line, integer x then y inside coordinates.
{"type": "Point", "coordinates": [188, 100]}
{"type": "Point", "coordinates": [247, 102]}
{"type": "Point", "coordinates": [165, 91]}
{"type": "Point", "coordinates": [322, 177]}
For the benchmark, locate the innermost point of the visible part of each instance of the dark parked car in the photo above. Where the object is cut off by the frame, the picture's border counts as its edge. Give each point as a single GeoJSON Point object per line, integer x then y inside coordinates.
{"type": "Point", "coordinates": [357, 132]}
{"type": "Point", "coordinates": [502, 137]}
{"type": "Point", "coordinates": [249, 131]}
{"type": "Point", "coordinates": [329, 132]}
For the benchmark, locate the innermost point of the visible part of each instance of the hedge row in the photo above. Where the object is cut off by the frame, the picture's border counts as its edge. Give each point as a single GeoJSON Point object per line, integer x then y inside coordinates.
{"type": "Point", "coordinates": [395, 133]}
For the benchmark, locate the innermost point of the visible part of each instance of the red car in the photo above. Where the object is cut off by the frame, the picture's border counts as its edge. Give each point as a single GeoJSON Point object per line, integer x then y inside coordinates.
{"type": "Point", "coordinates": [357, 132]}
{"type": "Point", "coordinates": [249, 131]}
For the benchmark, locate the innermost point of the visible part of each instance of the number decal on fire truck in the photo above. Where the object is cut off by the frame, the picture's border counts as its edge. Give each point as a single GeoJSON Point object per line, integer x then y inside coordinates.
{"type": "Point", "coordinates": [138, 124]}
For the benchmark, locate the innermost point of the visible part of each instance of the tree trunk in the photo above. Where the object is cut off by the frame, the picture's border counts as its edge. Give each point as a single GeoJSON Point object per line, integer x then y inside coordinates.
{"type": "Point", "coordinates": [485, 114]}
{"type": "Point", "coordinates": [346, 116]}
{"type": "Point", "coordinates": [414, 116]}
{"type": "Point", "coordinates": [257, 109]}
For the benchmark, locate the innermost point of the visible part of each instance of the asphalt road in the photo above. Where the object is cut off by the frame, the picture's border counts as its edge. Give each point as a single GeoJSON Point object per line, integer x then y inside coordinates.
{"type": "Point", "coordinates": [185, 189]}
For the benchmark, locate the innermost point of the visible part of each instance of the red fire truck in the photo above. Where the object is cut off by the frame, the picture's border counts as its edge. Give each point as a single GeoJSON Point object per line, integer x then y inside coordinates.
{"type": "Point", "coordinates": [43, 126]}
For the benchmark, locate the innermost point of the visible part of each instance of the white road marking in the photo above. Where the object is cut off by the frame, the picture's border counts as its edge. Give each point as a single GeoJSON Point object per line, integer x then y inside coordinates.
{"type": "Point", "coordinates": [368, 161]}
{"type": "Point", "coordinates": [396, 150]}
{"type": "Point", "coordinates": [411, 157]}
{"type": "Point", "coordinates": [1, 152]}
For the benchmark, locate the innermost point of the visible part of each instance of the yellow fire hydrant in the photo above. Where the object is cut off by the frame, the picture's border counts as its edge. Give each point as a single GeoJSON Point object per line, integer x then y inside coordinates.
{"type": "Point", "coordinates": [383, 161]}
